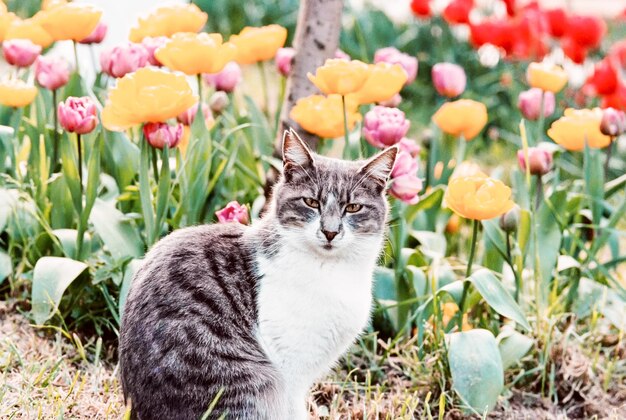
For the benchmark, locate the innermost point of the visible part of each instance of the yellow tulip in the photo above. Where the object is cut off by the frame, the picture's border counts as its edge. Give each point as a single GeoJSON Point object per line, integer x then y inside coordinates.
{"type": "Point", "coordinates": [69, 21]}
{"type": "Point", "coordinates": [3, 7]}
{"type": "Point", "coordinates": [340, 76]}
{"type": "Point", "coordinates": [478, 197]}
{"type": "Point", "coordinates": [578, 126]}
{"type": "Point", "coordinates": [27, 29]}
{"type": "Point", "coordinates": [16, 93]}
{"type": "Point", "coordinates": [168, 20]}
{"type": "Point", "coordinates": [463, 117]}
{"type": "Point", "coordinates": [384, 81]}
{"type": "Point", "coordinates": [194, 53]}
{"type": "Point", "coordinates": [323, 115]}
{"type": "Point", "coordinates": [547, 77]}
{"type": "Point", "coordinates": [5, 21]}
{"type": "Point", "coordinates": [49, 4]}
{"type": "Point", "coordinates": [466, 168]}
{"type": "Point", "coordinates": [147, 95]}
{"type": "Point", "coordinates": [258, 44]}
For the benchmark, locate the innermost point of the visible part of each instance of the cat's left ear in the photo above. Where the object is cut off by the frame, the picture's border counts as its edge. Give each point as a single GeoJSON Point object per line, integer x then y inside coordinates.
{"type": "Point", "coordinates": [380, 166]}
{"type": "Point", "coordinates": [296, 155]}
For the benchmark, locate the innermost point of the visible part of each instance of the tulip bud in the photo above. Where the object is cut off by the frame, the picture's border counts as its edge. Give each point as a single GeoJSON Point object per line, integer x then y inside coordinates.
{"type": "Point", "coordinates": [510, 220]}
{"type": "Point", "coordinates": [406, 188]}
{"type": "Point", "coordinates": [384, 126]}
{"type": "Point", "coordinates": [187, 117]}
{"type": "Point", "coordinates": [227, 79]}
{"type": "Point", "coordinates": [233, 212]}
{"type": "Point", "coordinates": [284, 59]}
{"type": "Point", "coordinates": [393, 102]}
{"type": "Point", "coordinates": [405, 165]}
{"type": "Point", "coordinates": [52, 72]}
{"type": "Point", "coordinates": [78, 115]}
{"type": "Point", "coordinates": [613, 122]}
{"type": "Point", "coordinates": [392, 55]}
{"type": "Point", "coordinates": [160, 134]}
{"type": "Point", "coordinates": [449, 79]}
{"type": "Point", "coordinates": [151, 44]}
{"type": "Point", "coordinates": [540, 160]}
{"type": "Point", "coordinates": [410, 146]}
{"type": "Point", "coordinates": [98, 34]}
{"type": "Point", "coordinates": [20, 52]}
{"type": "Point", "coordinates": [123, 59]}
{"type": "Point", "coordinates": [218, 102]}
{"type": "Point", "coordinates": [529, 103]}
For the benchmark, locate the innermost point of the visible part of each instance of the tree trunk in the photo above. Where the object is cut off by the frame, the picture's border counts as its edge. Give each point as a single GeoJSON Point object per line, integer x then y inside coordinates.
{"type": "Point", "coordinates": [316, 39]}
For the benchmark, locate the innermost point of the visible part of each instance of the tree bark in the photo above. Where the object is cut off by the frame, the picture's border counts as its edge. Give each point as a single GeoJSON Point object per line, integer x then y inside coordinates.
{"type": "Point", "coordinates": [316, 39]}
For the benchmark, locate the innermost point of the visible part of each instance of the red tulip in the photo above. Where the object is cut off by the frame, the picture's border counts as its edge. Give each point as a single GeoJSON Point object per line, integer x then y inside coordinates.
{"type": "Point", "coordinates": [458, 11]}
{"type": "Point", "coordinates": [586, 31]}
{"type": "Point", "coordinates": [557, 21]}
{"type": "Point", "coordinates": [574, 51]}
{"type": "Point", "coordinates": [528, 34]}
{"type": "Point", "coordinates": [510, 7]}
{"type": "Point", "coordinates": [618, 50]}
{"type": "Point", "coordinates": [617, 99]}
{"type": "Point", "coordinates": [421, 8]}
{"type": "Point", "coordinates": [604, 79]}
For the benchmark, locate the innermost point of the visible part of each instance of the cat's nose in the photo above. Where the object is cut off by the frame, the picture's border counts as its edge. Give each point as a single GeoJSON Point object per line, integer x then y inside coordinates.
{"type": "Point", "coordinates": [330, 235]}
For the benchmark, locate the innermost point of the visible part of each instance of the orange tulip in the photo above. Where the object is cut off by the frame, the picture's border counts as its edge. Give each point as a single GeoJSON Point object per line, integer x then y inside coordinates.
{"type": "Point", "coordinates": [168, 20]}
{"type": "Point", "coordinates": [5, 21]}
{"type": "Point", "coordinates": [478, 197]}
{"type": "Point", "coordinates": [69, 21]}
{"type": "Point", "coordinates": [27, 29]}
{"type": "Point", "coordinates": [463, 117]}
{"type": "Point", "coordinates": [338, 76]}
{"type": "Point", "coordinates": [578, 126]}
{"type": "Point", "coordinates": [194, 53]}
{"type": "Point", "coordinates": [258, 44]}
{"type": "Point", "coordinates": [147, 95]}
{"type": "Point", "coordinates": [384, 81]}
{"type": "Point", "coordinates": [16, 93]}
{"type": "Point", "coordinates": [547, 77]}
{"type": "Point", "coordinates": [323, 116]}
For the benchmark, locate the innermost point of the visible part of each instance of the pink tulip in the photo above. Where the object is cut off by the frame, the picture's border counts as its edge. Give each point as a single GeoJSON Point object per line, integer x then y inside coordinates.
{"type": "Point", "coordinates": [284, 59]}
{"type": "Point", "coordinates": [123, 59]}
{"type": "Point", "coordinates": [613, 122]}
{"type": "Point", "coordinates": [406, 188]}
{"type": "Point", "coordinates": [188, 116]}
{"type": "Point", "coordinates": [98, 34]}
{"type": "Point", "coordinates": [161, 134]}
{"type": "Point", "coordinates": [410, 146]}
{"type": "Point", "coordinates": [227, 79]}
{"type": "Point", "coordinates": [342, 55]}
{"type": "Point", "coordinates": [529, 103]}
{"type": "Point", "coordinates": [78, 115]}
{"type": "Point", "coordinates": [151, 44]}
{"type": "Point", "coordinates": [233, 212]}
{"type": "Point", "coordinates": [384, 126]}
{"type": "Point", "coordinates": [20, 52]}
{"type": "Point", "coordinates": [392, 55]}
{"type": "Point", "coordinates": [540, 160]}
{"type": "Point", "coordinates": [393, 102]}
{"type": "Point", "coordinates": [405, 165]}
{"type": "Point", "coordinates": [449, 79]}
{"type": "Point", "coordinates": [52, 72]}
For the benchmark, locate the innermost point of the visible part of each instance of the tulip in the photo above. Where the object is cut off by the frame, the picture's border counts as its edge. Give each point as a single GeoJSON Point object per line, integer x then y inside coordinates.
{"type": "Point", "coordinates": [98, 34]}
{"type": "Point", "coordinates": [123, 59]}
{"type": "Point", "coordinates": [284, 59]}
{"type": "Point", "coordinates": [586, 31]}
{"type": "Point", "coordinates": [194, 54]}
{"type": "Point", "coordinates": [147, 95]}
{"type": "Point", "coordinates": [462, 117]}
{"type": "Point", "coordinates": [169, 20]}
{"type": "Point", "coordinates": [540, 161]}
{"type": "Point", "coordinates": [478, 197]}
{"type": "Point", "coordinates": [323, 115]}
{"type": "Point", "coordinates": [578, 127]}
{"type": "Point", "coordinates": [233, 212]}
{"type": "Point", "coordinates": [227, 79]}
{"type": "Point", "coordinates": [384, 82]}
{"type": "Point", "coordinates": [406, 188]}
{"type": "Point", "coordinates": [16, 93]}
{"type": "Point", "coordinates": [342, 55]}
{"type": "Point", "coordinates": [161, 134]}
{"type": "Point", "coordinates": [151, 44]}
{"type": "Point", "coordinates": [384, 126]}
{"type": "Point", "coordinates": [529, 103]}
{"type": "Point", "coordinates": [574, 51]}
{"type": "Point", "coordinates": [458, 11]}
{"type": "Point", "coordinates": [78, 115]}
{"type": "Point", "coordinates": [449, 79]}
{"type": "Point", "coordinates": [466, 168]}
{"type": "Point", "coordinates": [613, 122]}
{"type": "Point", "coordinates": [421, 8]}
{"type": "Point", "coordinates": [410, 146]}
{"type": "Point", "coordinates": [557, 21]}
{"type": "Point", "coordinates": [69, 21]}
{"type": "Point", "coordinates": [218, 102]}
{"type": "Point", "coordinates": [189, 116]}
{"type": "Point", "coordinates": [510, 220]}
{"type": "Point", "coordinates": [340, 77]}
{"type": "Point", "coordinates": [20, 52]}
{"type": "Point", "coordinates": [547, 77]}
{"type": "Point", "coordinates": [405, 165]}
{"type": "Point", "coordinates": [393, 102]}
{"type": "Point", "coordinates": [52, 72]}
{"type": "Point", "coordinates": [392, 56]}
{"type": "Point", "coordinates": [258, 44]}
{"type": "Point", "coordinates": [26, 29]}
{"type": "Point", "coordinates": [605, 77]}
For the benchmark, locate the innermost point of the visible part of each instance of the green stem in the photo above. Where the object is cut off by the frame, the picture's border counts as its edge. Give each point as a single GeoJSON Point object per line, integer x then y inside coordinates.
{"type": "Point", "coordinates": [79, 144]}
{"type": "Point", "coordinates": [346, 135]}
{"type": "Point", "coordinates": [76, 57]}
{"type": "Point", "coordinates": [468, 272]}
{"type": "Point", "coordinates": [518, 281]}
{"type": "Point", "coordinates": [609, 152]}
{"type": "Point", "coordinates": [55, 133]}
{"type": "Point", "coordinates": [155, 167]}
{"type": "Point", "coordinates": [538, 192]}
{"type": "Point", "coordinates": [281, 99]}
{"type": "Point", "coordinates": [199, 76]}
{"type": "Point", "coordinates": [266, 95]}
{"type": "Point", "coordinates": [541, 121]}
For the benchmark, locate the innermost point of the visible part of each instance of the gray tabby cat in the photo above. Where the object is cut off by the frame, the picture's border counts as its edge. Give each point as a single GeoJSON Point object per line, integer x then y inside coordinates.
{"type": "Point", "coordinates": [251, 317]}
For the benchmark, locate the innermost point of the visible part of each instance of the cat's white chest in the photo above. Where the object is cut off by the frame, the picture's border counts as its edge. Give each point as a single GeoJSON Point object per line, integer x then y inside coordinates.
{"type": "Point", "coordinates": [310, 311]}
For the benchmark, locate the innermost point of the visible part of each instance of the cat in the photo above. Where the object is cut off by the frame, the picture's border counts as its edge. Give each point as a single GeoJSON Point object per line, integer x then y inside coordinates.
{"type": "Point", "coordinates": [246, 319]}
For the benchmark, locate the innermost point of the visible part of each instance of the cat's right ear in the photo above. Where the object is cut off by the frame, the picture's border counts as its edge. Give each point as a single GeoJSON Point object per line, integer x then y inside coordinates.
{"type": "Point", "coordinates": [296, 155]}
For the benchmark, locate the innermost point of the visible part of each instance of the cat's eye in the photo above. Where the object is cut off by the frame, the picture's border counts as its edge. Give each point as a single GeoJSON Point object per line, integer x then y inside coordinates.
{"type": "Point", "coordinates": [314, 204]}
{"type": "Point", "coordinates": [353, 207]}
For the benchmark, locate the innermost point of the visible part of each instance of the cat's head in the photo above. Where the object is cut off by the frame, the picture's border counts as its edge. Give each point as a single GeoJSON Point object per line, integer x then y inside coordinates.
{"type": "Point", "coordinates": [331, 206]}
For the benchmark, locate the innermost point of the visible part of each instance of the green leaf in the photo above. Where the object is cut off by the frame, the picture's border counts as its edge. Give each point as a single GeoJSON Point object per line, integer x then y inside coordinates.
{"type": "Point", "coordinates": [69, 159]}
{"type": "Point", "coordinates": [6, 266]}
{"type": "Point", "coordinates": [476, 368]}
{"type": "Point", "coordinates": [120, 158]}
{"type": "Point", "coordinates": [384, 284]}
{"type": "Point", "coordinates": [549, 236]}
{"type": "Point", "coordinates": [594, 181]}
{"type": "Point", "coordinates": [163, 193]}
{"type": "Point", "coordinates": [594, 296]}
{"type": "Point", "coordinates": [129, 273]}
{"type": "Point", "coordinates": [119, 236]}
{"type": "Point", "coordinates": [67, 238]}
{"type": "Point", "coordinates": [52, 275]}
{"type": "Point", "coordinates": [428, 201]}
{"type": "Point", "coordinates": [432, 244]}
{"type": "Point", "coordinates": [513, 346]}
{"type": "Point", "coordinates": [145, 193]}
{"type": "Point", "coordinates": [497, 297]}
